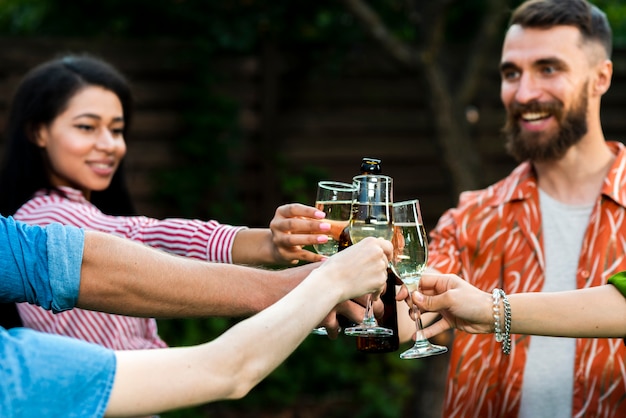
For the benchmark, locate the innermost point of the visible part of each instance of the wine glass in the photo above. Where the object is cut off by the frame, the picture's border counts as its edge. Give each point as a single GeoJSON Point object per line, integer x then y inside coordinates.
{"type": "Point", "coordinates": [410, 256]}
{"type": "Point", "coordinates": [372, 216]}
{"type": "Point", "coordinates": [335, 200]}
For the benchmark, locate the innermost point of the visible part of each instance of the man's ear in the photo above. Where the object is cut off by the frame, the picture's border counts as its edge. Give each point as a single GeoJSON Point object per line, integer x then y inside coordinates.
{"type": "Point", "coordinates": [602, 79]}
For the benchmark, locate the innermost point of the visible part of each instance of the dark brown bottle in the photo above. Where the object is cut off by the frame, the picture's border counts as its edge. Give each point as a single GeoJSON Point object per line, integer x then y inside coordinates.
{"type": "Point", "coordinates": [389, 320]}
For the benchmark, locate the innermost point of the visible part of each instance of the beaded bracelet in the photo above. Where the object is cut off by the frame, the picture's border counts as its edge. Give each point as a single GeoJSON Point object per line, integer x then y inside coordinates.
{"type": "Point", "coordinates": [496, 315]}
{"type": "Point", "coordinates": [504, 338]}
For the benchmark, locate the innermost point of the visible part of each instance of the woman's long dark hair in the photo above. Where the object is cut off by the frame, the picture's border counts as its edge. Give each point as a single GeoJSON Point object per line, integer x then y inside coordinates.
{"type": "Point", "coordinates": [42, 95]}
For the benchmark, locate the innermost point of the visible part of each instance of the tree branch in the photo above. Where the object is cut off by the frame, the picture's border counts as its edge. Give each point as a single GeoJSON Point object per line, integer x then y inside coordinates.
{"type": "Point", "coordinates": [377, 29]}
{"type": "Point", "coordinates": [481, 48]}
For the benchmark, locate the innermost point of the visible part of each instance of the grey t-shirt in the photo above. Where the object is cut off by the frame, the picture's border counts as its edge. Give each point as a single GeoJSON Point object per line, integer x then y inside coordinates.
{"type": "Point", "coordinates": [548, 384]}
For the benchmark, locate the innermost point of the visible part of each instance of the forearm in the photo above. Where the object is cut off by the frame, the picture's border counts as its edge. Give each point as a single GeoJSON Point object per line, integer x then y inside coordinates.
{"type": "Point", "coordinates": [226, 368]}
{"type": "Point", "coordinates": [254, 246]}
{"type": "Point", "coordinates": [125, 277]}
{"type": "Point", "coordinates": [593, 312]}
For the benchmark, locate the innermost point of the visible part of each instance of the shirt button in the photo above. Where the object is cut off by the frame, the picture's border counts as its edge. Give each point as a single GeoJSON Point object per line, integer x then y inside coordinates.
{"type": "Point", "coordinates": [585, 274]}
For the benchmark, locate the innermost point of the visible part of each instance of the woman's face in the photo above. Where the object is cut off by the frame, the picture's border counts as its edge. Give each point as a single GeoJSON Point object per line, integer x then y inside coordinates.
{"type": "Point", "coordinates": [85, 143]}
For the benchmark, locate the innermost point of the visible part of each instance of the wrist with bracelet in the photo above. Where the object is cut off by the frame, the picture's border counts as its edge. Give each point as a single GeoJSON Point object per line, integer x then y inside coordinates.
{"type": "Point", "coordinates": [502, 323]}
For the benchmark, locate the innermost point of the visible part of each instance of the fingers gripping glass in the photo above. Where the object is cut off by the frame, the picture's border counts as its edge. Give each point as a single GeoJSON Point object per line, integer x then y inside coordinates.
{"type": "Point", "coordinates": [372, 216]}
{"type": "Point", "coordinates": [410, 246]}
{"type": "Point", "coordinates": [335, 200]}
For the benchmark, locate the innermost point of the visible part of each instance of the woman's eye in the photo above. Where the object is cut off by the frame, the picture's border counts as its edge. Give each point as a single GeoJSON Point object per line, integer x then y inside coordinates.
{"type": "Point", "coordinates": [87, 128]}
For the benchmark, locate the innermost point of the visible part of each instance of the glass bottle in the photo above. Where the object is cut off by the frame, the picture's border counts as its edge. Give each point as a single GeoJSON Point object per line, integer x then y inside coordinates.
{"type": "Point", "coordinates": [385, 344]}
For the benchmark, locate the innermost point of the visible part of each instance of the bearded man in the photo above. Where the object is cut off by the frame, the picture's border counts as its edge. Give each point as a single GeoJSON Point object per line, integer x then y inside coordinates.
{"type": "Point", "coordinates": [557, 222]}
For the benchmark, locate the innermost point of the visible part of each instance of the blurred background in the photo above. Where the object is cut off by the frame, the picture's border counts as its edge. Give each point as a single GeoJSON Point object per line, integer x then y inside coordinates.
{"type": "Point", "coordinates": [244, 105]}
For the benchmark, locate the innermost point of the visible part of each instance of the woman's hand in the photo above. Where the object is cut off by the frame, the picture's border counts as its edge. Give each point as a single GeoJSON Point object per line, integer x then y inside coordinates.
{"type": "Point", "coordinates": [294, 226]}
{"type": "Point", "coordinates": [460, 304]}
{"type": "Point", "coordinates": [359, 269]}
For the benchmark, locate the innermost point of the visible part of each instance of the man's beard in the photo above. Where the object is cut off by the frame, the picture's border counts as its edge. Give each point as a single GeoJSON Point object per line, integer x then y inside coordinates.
{"type": "Point", "coordinates": [542, 146]}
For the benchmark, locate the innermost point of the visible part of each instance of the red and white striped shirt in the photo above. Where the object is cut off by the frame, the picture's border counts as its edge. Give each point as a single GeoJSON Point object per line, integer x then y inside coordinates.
{"type": "Point", "coordinates": [209, 241]}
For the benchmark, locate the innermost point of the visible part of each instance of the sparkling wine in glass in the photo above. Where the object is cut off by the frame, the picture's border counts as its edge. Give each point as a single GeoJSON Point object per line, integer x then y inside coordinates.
{"type": "Point", "coordinates": [372, 216]}
{"type": "Point", "coordinates": [410, 256]}
{"type": "Point", "coordinates": [335, 200]}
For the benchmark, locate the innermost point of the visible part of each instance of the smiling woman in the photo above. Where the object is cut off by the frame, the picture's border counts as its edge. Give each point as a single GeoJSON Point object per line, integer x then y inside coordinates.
{"type": "Point", "coordinates": [64, 163]}
{"type": "Point", "coordinates": [34, 155]}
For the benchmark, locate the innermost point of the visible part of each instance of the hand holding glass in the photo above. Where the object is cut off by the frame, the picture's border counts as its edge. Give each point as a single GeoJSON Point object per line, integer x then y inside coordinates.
{"type": "Point", "coordinates": [372, 216]}
{"type": "Point", "coordinates": [409, 260]}
{"type": "Point", "coordinates": [335, 200]}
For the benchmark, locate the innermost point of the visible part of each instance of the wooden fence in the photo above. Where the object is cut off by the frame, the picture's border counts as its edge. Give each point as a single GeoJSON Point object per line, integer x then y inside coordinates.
{"type": "Point", "coordinates": [309, 118]}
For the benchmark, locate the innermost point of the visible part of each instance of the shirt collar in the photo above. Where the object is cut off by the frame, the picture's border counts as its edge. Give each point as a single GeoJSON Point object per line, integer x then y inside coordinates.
{"type": "Point", "coordinates": [615, 182]}
{"type": "Point", "coordinates": [69, 193]}
{"type": "Point", "coordinates": [521, 184]}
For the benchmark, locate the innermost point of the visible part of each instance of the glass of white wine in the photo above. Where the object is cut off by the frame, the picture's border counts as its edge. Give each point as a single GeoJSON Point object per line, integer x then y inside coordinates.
{"type": "Point", "coordinates": [334, 198]}
{"type": "Point", "coordinates": [372, 216]}
{"type": "Point", "coordinates": [410, 246]}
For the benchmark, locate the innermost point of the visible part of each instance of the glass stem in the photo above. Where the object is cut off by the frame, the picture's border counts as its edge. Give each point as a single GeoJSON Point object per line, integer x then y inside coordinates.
{"type": "Point", "coordinates": [419, 335]}
{"type": "Point", "coordinates": [370, 319]}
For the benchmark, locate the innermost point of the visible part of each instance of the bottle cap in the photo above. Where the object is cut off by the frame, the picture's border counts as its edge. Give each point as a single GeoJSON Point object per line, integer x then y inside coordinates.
{"type": "Point", "coordinates": [370, 165]}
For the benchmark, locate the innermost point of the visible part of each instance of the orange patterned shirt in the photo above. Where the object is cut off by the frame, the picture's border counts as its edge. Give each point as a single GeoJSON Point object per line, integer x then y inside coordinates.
{"type": "Point", "coordinates": [493, 239]}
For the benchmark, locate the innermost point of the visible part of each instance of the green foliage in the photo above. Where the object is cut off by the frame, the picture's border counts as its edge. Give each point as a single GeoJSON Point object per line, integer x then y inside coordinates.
{"type": "Point", "coordinates": [233, 25]}
{"type": "Point", "coordinates": [616, 13]}
{"type": "Point", "coordinates": [201, 185]}
{"type": "Point", "coordinates": [19, 17]}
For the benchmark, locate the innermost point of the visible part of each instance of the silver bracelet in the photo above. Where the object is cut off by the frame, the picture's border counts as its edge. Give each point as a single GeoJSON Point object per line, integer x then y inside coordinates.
{"type": "Point", "coordinates": [496, 314]}
{"type": "Point", "coordinates": [503, 337]}
{"type": "Point", "coordinates": [506, 343]}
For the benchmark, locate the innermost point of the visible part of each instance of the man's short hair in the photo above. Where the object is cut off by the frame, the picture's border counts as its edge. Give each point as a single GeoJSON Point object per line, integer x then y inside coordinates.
{"type": "Point", "coordinates": [590, 21]}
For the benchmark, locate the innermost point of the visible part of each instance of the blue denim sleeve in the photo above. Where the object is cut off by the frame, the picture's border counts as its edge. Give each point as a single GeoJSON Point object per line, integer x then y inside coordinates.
{"type": "Point", "coordinates": [65, 257]}
{"type": "Point", "coordinates": [40, 265]}
{"type": "Point", "coordinates": [46, 375]}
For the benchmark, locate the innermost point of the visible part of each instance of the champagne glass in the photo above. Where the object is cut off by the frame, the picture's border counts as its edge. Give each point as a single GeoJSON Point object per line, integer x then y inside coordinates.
{"type": "Point", "coordinates": [335, 200]}
{"type": "Point", "coordinates": [410, 256]}
{"type": "Point", "coordinates": [372, 216]}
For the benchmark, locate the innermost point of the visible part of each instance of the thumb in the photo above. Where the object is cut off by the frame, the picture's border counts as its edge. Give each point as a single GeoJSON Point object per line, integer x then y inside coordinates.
{"type": "Point", "coordinates": [427, 303]}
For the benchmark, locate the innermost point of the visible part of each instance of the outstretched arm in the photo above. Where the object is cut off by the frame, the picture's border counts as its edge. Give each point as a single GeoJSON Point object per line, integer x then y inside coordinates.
{"type": "Point", "coordinates": [167, 285]}
{"type": "Point", "coordinates": [228, 367]}
{"type": "Point", "coordinates": [592, 312]}
{"type": "Point", "coordinates": [126, 277]}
